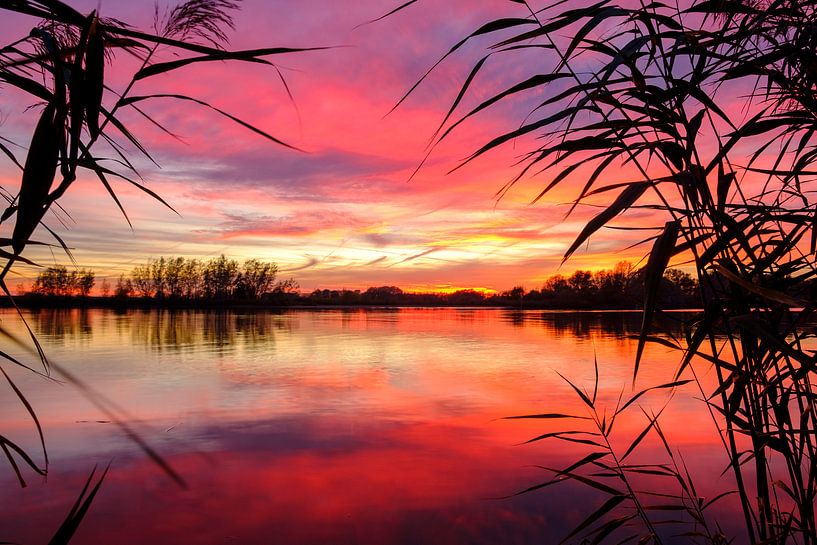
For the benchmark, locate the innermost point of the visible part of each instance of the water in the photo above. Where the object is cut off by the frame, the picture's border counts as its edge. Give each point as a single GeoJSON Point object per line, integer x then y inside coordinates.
{"type": "Point", "coordinates": [340, 426]}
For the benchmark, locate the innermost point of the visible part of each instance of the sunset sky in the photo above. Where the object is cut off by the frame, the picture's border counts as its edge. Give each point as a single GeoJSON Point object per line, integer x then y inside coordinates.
{"type": "Point", "coordinates": [342, 213]}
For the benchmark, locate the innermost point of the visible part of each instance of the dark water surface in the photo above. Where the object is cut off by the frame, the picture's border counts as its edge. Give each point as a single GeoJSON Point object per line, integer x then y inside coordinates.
{"type": "Point", "coordinates": [332, 427]}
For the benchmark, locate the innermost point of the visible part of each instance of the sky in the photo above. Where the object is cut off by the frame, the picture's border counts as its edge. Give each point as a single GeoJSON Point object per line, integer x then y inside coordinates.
{"type": "Point", "coordinates": [345, 212]}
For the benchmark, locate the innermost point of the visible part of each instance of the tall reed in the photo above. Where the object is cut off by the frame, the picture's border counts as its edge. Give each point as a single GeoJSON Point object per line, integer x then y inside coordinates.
{"type": "Point", "coordinates": [61, 65]}
{"type": "Point", "coordinates": [703, 112]}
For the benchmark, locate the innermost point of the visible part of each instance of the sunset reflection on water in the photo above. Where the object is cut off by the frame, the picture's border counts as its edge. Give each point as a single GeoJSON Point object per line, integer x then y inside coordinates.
{"type": "Point", "coordinates": [340, 426]}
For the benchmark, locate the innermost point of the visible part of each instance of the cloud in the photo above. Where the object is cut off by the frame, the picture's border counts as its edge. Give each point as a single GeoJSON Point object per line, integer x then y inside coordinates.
{"type": "Point", "coordinates": [376, 261]}
{"type": "Point", "coordinates": [418, 256]}
{"type": "Point", "coordinates": [298, 223]}
{"type": "Point", "coordinates": [310, 262]}
{"type": "Point", "coordinates": [330, 175]}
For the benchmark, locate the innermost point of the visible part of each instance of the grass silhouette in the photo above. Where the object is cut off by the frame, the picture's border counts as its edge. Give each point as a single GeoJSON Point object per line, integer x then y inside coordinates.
{"type": "Point", "coordinates": [710, 107]}
{"type": "Point", "coordinates": [61, 65]}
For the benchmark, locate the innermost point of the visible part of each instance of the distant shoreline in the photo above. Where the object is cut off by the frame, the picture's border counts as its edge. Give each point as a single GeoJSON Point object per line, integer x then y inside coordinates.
{"type": "Point", "coordinates": [30, 302]}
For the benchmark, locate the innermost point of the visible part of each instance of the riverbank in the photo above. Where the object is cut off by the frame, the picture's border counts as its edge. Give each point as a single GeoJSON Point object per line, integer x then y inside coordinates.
{"type": "Point", "coordinates": [32, 301]}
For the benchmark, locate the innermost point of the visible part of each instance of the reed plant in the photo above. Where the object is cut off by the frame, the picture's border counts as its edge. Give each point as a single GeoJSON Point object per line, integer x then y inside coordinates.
{"type": "Point", "coordinates": [62, 65]}
{"type": "Point", "coordinates": [702, 113]}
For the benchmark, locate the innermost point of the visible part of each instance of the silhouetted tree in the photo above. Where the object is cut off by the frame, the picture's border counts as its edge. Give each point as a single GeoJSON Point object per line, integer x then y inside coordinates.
{"type": "Point", "coordinates": [219, 278]}
{"type": "Point", "coordinates": [256, 279]}
{"type": "Point", "coordinates": [140, 281]}
{"type": "Point", "coordinates": [84, 282]}
{"type": "Point", "coordinates": [466, 298]}
{"type": "Point", "coordinates": [57, 281]}
{"type": "Point", "coordinates": [383, 295]}
{"type": "Point", "coordinates": [191, 278]}
{"type": "Point", "coordinates": [180, 279]}
{"type": "Point", "coordinates": [124, 288]}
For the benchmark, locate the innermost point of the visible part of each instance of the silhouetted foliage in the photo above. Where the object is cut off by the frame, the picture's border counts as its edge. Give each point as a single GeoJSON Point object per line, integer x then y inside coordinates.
{"type": "Point", "coordinates": [57, 281]}
{"type": "Point", "coordinates": [617, 288]}
{"type": "Point", "coordinates": [702, 112]}
{"type": "Point", "coordinates": [124, 288]}
{"type": "Point", "coordinates": [178, 279]}
{"type": "Point", "coordinates": [82, 129]}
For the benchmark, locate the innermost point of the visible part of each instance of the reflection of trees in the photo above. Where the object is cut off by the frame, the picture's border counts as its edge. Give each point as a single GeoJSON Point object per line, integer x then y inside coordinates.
{"type": "Point", "coordinates": [583, 324]}
{"type": "Point", "coordinates": [175, 329]}
{"type": "Point", "coordinates": [181, 329]}
{"type": "Point", "coordinates": [516, 317]}
{"type": "Point", "coordinates": [217, 329]}
{"type": "Point", "coordinates": [467, 316]}
{"type": "Point", "coordinates": [62, 323]}
{"type": "Point", "coordinates": [162, 329]}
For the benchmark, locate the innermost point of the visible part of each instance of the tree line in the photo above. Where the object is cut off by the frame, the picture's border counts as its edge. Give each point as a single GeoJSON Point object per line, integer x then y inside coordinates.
{"type": "Point", "coordinates": [217, 279]}
{"type": "Point", "coordinates": [60, 282]}
{"type": "Point", "coordinates": [178, 279]}
{"type": "Point", "coordinates": [621, 287]}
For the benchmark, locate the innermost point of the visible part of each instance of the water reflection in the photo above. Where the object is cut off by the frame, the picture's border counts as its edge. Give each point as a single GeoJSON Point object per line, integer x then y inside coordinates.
{"type": "Point", "coordinates": [61, 324]}
{"type": "Point", "coordinates": [348, 426]}
{"type": "Point", "coordinates": [161, 329]}
{"type": "Point", "coordinates": [580, 324]}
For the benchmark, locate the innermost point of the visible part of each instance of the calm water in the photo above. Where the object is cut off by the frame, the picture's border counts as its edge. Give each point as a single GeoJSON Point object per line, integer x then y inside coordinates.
{"type": "Point", "coordinates": [331, 427]}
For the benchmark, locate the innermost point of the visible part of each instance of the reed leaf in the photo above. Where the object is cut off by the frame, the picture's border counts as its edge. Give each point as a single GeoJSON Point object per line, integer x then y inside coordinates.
{"type": "Point", "coordinates": [250, 55]}
{"type": "Point", "coordinates": [77, 91]}
{"type": "Point", "coordinates": [136, 99]}
{"type": "Point", "coordinates": [606, 508]}
{"type": "Point", "coordinates": [624, 201]}
{"type": "Point", "coordinates": [660, 255]}
{"type": "Point", "coordinates": [766, 293]}
{"type": "Point", "coordinates": [638, 395]}
{"type": "Point", "coordinates": [68, 528]}
{"type": "Point", "coordinates": [488, 28]}
{"type": "Point", "coordinates": [94, 80]}
{"type": "Point", "coordinates": [38, 175]}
